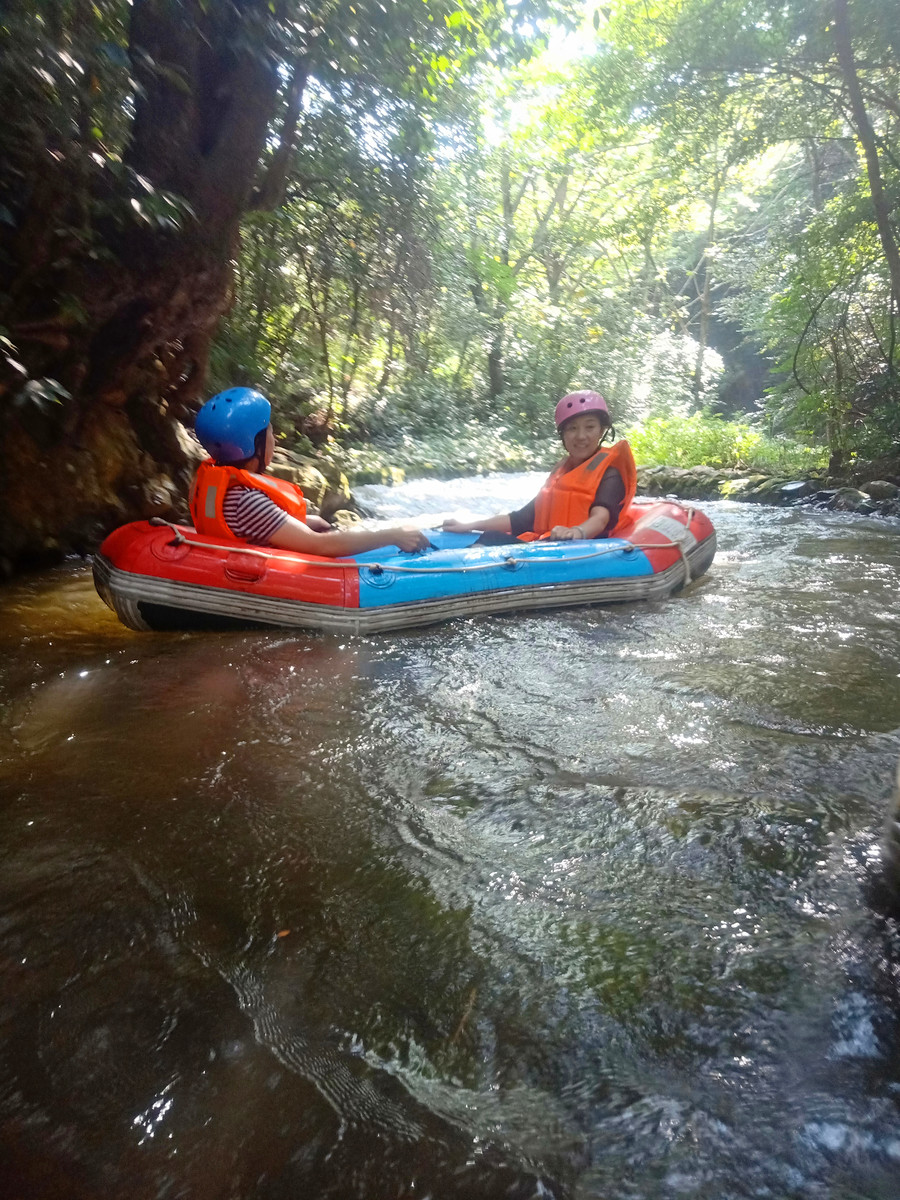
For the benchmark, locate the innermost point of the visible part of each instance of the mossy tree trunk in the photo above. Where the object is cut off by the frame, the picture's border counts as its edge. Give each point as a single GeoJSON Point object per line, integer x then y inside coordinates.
{"type": "Point", "coordinates": [116, 269]}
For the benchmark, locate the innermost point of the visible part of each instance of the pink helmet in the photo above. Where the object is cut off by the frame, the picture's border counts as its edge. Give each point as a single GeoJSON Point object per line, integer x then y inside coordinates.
{"type": "Point", "coordinates": [577, 403]}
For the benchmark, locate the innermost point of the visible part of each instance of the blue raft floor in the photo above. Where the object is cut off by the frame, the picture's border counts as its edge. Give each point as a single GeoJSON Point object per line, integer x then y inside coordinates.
{"type": "Point", "coordinates": [455, 567]}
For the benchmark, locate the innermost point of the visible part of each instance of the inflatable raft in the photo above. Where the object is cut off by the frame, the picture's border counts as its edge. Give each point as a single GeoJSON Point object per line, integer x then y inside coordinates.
{"type": "Point", "coordinates": [155, 575]}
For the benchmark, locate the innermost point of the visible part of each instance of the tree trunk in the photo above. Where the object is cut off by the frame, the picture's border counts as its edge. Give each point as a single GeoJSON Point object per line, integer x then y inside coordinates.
{"type": "Point", "coordinates": [496, 375]}
{"type": "Point", "coordinates": [121, 316]}
{"type": "Point", "coordinates": [705, 305]}
{"type": "Point", "coordinates": [496, 372]}
{"type": "Point", "coordinates": [866, 135]}
{"type": "Point", "coordinates": [266, 246]}
{"type": "Point", "coordinates": [835, 417]}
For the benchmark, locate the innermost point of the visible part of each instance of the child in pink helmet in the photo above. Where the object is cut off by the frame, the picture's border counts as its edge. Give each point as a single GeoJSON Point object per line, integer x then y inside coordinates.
{"type": "Point", "coordinates": [585, 496]}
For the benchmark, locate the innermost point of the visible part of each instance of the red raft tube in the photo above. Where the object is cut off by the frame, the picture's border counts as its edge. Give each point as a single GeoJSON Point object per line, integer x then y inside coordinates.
{"type": "Point", "coordinates": [155, 575]}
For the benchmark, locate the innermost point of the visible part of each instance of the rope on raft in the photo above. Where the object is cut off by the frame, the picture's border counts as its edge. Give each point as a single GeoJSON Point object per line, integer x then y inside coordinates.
{"type": "Point", "coordinates": [509, 563]}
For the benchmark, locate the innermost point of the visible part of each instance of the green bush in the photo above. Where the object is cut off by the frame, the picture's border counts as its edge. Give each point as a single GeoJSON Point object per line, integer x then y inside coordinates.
{"type": "Point", "coordinates": [476, 449]}
{"type": "Point", "coordinates": [705, 440]}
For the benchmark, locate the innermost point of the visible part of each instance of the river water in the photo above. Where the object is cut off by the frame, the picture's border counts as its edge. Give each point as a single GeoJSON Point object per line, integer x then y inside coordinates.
{"type": "Point", "coordinates": [571, 904]}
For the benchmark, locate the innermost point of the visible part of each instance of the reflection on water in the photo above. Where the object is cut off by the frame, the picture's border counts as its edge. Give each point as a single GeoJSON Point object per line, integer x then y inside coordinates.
{"type": "Point", "coordinates": [567, 904]}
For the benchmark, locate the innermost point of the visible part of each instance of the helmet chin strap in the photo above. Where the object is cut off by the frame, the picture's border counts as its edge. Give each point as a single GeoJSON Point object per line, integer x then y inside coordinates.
{"type": "Point", "coordinates": [259, 452]}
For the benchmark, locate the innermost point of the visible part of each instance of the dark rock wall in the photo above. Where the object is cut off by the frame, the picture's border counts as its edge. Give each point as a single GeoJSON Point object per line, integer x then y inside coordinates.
{"type": "Point", "coordinates": [65, 495]}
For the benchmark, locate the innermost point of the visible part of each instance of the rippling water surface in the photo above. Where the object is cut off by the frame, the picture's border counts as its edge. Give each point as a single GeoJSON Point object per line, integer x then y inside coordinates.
{"type": "Point", "coordinates": [570, 904]}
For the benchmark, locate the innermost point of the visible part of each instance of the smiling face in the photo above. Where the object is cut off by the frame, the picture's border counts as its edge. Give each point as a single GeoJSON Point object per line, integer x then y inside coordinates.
{"type": "Point", "coordinates": [581, 436]}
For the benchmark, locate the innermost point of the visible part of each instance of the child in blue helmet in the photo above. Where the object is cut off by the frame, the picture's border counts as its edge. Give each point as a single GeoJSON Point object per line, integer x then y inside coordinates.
{"type": "Point", "coordinates": [232, 496]}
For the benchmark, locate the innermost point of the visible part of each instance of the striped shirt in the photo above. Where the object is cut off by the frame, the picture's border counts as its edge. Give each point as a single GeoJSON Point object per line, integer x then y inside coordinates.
{"type": "Point", "coordinates": [251, 515]}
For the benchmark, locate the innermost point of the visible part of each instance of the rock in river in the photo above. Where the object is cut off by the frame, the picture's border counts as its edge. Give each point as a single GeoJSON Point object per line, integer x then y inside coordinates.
{"type": "Point", "coordinates": [881, 489]}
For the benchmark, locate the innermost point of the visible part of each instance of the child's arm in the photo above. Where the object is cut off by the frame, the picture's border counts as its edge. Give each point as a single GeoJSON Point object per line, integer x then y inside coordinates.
{"type": "Point", "coordinates": [479, 525]}
{"type": "Point", "coordinates": [597, 521]}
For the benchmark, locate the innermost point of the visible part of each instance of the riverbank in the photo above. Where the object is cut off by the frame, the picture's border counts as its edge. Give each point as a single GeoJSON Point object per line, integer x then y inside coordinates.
{"type": "Point", "coordinates": [874, 496]}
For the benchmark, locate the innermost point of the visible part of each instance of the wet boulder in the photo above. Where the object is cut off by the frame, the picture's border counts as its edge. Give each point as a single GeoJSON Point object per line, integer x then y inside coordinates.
{"type": "Point", "coordinates": [689, 483]}
{"type": "Point", "coordinates": [880, 489]}
{"type": "Point", "coordinates": [745, 487]}
{"type": "Point", "coordinates": [657, 481]}
{"type": "Point", "coordinates": [338, 496]}
{"type": "Point", "coordinates": [301, 471]}
{"type": "Point", "coordinates": [796, 489]}
{"type": "Point", "coordinates": [159, 496]}
{"type": "Point", "coordinates": [767, 490]}
{"type": "Point", "coordinates": [849, 499]}
{"type": "Point", "coordinates": [343, 518]}
{"type": "Point", "coordinates": [324, 485]}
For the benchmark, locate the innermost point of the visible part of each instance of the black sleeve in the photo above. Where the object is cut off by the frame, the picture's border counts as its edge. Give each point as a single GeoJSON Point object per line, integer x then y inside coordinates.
{"type": "Point", "coordinates": [611, 495]}
{"type": "Point", "coordinates": [522, 520]}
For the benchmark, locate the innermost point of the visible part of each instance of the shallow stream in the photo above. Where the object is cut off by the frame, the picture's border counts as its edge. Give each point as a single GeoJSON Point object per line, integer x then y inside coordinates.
{"type": "Point", "coordinates": [572, 904]}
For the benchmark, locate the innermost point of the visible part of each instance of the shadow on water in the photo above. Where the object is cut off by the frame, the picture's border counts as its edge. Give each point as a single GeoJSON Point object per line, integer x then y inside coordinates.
{"type": "Point", "coordinates": [549, 904]}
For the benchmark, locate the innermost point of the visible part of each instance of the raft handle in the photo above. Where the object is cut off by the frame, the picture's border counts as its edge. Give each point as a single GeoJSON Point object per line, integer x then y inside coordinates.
{"type": "Point", "coordinates": [160, 522]}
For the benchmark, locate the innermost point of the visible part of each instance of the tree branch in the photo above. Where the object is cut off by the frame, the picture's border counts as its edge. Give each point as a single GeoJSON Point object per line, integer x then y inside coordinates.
{"type": "Point", "coordinates": [270, 192]}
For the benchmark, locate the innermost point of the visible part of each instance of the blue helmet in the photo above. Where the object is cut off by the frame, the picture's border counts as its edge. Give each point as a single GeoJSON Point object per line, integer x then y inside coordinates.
{"type": "Point", "coordinates": [227, 425]}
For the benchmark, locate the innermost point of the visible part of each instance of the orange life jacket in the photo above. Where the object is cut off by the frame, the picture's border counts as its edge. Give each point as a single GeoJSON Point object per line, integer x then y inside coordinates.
{"type": "Point", "coordinates": [212, 482]}
{"type": "Point", "coordinates": [568, 495]}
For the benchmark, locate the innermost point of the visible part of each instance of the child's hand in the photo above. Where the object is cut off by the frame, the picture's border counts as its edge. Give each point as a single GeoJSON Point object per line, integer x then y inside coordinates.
{"type": "Point", "coordinates": [410, 540]}
{"type": "Point", "coordinates": [562, 533]}
{"type": "Point", "coordinates": [451, 525]}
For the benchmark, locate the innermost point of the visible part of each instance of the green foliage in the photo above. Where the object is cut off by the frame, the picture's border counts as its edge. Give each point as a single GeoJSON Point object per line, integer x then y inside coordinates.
{"type": "Point", "coordinates": [817, 290]}
{"type": "Point", "coordinates": [135, 137]}
{"type": "Point", "coordinates": [705, 440]}
{"type": "Point", "coordinates": [805, 261]}
{"type": "Point", "coordinates": [693, 184]}
{"type": "Point", "coordinates": [456, 248]}
{"type": "Point", "coordinates": [471, 449]}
